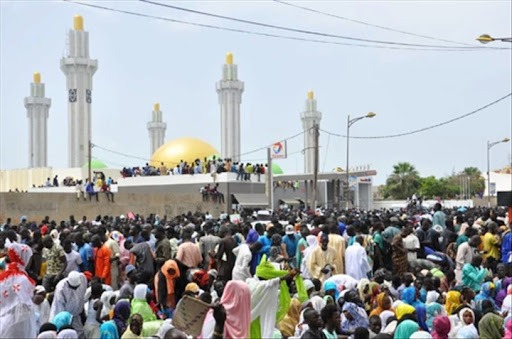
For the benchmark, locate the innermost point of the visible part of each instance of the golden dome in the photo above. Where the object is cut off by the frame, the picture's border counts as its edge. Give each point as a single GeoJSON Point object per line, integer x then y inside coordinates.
{"type": "Point", "coordinates": [186, 149]}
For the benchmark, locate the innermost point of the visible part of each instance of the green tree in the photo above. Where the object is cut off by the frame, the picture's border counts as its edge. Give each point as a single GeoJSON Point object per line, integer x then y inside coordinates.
{"type": "Point", "coordinates": [430, 187]}
{"type": "Point", "coordinates": [403, 182]}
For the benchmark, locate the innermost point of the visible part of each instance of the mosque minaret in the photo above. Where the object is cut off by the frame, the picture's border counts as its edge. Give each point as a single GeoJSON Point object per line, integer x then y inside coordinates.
{"type": "Point", "coordinates": [156, 128]}
{"type": "Point", "coordinates": [37, 106]}
{"type": "Point", "coordinates": [230, 90]}
{"type": "Point", "coordinates": [310, 117]}
{"type": "Point", "coordinates": [79, 70]}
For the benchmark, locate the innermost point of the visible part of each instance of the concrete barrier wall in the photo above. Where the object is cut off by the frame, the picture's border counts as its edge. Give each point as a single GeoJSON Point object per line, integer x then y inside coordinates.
{"type": "Point", "coordinates": [59, 206]}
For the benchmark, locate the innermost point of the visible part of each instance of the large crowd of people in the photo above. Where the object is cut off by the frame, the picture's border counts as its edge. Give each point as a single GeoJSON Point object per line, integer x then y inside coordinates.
{"type": "Point", "coordinates": [444, 273]}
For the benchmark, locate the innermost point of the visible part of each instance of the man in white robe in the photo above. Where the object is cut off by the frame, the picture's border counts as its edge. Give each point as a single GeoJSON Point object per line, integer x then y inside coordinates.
{"type": "Point", "coordinates": [264, 303]}
{"type": "Point", "coordinates": [241, 270]}
{"type": "Point", "coordinates": [70, 296]}
{"type": "Point", "coordinates": [356, 260]}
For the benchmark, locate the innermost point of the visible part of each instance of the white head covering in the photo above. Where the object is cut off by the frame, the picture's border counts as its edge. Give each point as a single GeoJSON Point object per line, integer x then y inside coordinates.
{"type": "Point", "coordinates": [420, 335]}
{"type": "Point", "coordinates": [39, 289]}
{"type": "Point", "coordinates": [308, 284]}
{"type": "Point", "coordinates": [21, 252]}
{"type": "Point", "coordinates": [318, 303]}
{"type": "Point", "coordinates": [140, 291]}
{"type": "Point", "coordinates": [432, 297]}
{"type": "Point", "coordinates": [384, 316]}
{"type": "Point", "coordinates": [67, 334]}
{"type": "Point", "coordinates": [47, 335]}
{"type": "Point", "coordinates": [74, 278]}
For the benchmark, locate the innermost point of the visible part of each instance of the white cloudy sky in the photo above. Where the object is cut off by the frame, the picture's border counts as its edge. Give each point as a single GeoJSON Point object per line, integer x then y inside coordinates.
{"type": "Point", "coordinates": [142, 61]}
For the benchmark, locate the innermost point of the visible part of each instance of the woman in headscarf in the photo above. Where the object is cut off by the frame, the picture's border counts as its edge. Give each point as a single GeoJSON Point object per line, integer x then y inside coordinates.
{"type": "Point", "coordinates": [17, 316]}
{"type": "Point", "coordinates": [108, 330]}
{"type": "Point", "coordinates": [318, 303]}
{"type": "Point", "coordinates": [500, 296]}
{"type": "Point", "coordinates": [452, 301]}
{"type": "Point", "coordinates": [291, 319]}
{"type": "Point", "coordinates": [121, 315]}
{"type": "Point", "coordinates": [331, 289]}
{"type": "Point", "coordinates": [353, 317]}
{"type": "Point", "coordinates": [134, 331]}
{"type": "Point", "coordinates": [241, 270]}
{"type": "Point", "coordinates": [165, 286]}
{"type": "Point", "coordinates": [486, 291]}
{"type": "Point", "coordinates": [236, 300]}
{"type": "Point", "coordinates": [442, 327]}
{"type": "Point", "coordinates": [405, 311]}
{"type": "Point", "coordinates": [508, 328]}
{"type": "Point", "coordinates": [433, 310]}
{"type": "Point", "coordinates": [409, 297]}
{"type": "Point", "coordinates": [312, 245]}
{"type": "Point", "coordinates": [108, 301]}
{"type": "Point", "coordinates": [383, 304]}
{"type": "Point", "coordinates": [68, 333]}
{"type": "Point", "coordinates": [365, 292]}
{"type": "Point", "coordinates": [140, 304]}
{"type": "Point", "coordinates": [62, 319]}
{"type": "Point", "coordinates": [466, 326]}
{"type": "Point", "coordinates": [384, 317]}
{"type": "Point", "coordinates": [491, 326]}
{"type": "Point", "coordinates": [405, 329]}
{"type": "Point", "coordinates": [507, 302]}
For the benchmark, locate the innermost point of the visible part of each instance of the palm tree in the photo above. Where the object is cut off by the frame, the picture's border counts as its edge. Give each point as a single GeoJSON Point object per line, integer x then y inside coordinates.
{"type": "Point", "coordinates": [404, 181]}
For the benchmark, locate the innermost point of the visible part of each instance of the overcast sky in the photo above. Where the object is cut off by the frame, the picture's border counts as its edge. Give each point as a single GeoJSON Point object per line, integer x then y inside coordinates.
{"type": "Point", "coordinates": [143, 61]}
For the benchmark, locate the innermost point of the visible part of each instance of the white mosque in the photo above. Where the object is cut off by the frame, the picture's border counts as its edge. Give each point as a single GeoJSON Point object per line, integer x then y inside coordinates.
{"type": "Point", "coordinates": [79, 69]}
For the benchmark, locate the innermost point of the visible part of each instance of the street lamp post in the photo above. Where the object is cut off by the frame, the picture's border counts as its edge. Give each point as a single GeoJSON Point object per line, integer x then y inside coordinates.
{"type": "Point", "coordinates": [489, 146]}
{"type": "Point", "coordinates": [486, 38]}
{"type": "Point", "coordinates": [350, 122]}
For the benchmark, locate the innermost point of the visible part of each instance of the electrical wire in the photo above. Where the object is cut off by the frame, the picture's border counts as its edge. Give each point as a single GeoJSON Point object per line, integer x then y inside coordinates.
{"type": "Point", "coordinates": [279, 36]}
{"type": "Point", "coordinates": [424, 128]}
{"type": "Point", "coordinates": [175, 163]}
{"type": "Point", "coordinates": [303, 31]}
{"type": "Point", "coordinates": [369, 24]}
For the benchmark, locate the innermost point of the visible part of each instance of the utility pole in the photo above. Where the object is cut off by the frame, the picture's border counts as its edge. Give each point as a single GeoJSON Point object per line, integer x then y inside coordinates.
{"type": "Point", "coordinates": [89, 159]}
{"type": "Point", "coordinates": [270, 183]}
{"type": "Point", "coordinates": [315, 168]}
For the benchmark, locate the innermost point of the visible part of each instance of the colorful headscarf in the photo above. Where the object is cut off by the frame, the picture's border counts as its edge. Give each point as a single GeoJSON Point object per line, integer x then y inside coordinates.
{"type": "Point", "coordinates": [490, 325]}
{"type": "Point", "coordinates": [62, 319]}
{"type": "Point", "coordinates": [236, 299]}
{"type": "Point", "coordinates": [330, 286]}
{"type": "Point", "coordinates": [169, 279]}
{"type": "Point", "coordinates": [380, 302]}
{"type": "Point", "coordinates": [433, 310]}
{"type": "Point", "coordinates": [406, 328]}
{"type": "Point", "coordinates": [121, 315]}
{"type": "Point", "coordinates": [500, 296]}
{"type": "Point", "coordinates": [291, 319]}
{"type": "Point", "coordinates": [360, 319]}
{"type": "Point", "coordinates": [108, 330]}
{"type": "Point", "coordinates": [404, 309]}
{"type": "Point", "coordinates": [442, 327]}
{"type": "Point", "coordinates": [452, 301]}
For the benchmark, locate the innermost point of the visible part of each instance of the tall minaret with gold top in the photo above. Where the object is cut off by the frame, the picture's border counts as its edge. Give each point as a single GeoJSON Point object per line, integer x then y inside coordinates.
{"type": "Point", "coordinates": [229, 90]}
{"type": "Point", "coordinates": [79, 69]}
{"type": "Point", "coordinates": [37, 106]}
{"type": "Point", "coordinates": [156, 128]}
{"type": "Point", "coordinates": [310, 118]}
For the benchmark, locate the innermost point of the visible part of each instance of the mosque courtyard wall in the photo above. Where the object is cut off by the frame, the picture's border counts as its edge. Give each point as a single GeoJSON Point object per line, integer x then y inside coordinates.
{"type": "Point", "coordinates": [59, 206]}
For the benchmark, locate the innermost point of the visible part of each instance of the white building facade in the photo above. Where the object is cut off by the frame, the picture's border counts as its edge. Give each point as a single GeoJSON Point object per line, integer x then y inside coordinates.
{"type": "Point", "coordinates": [38, 107]}
{"type": "Point", "coordinates": [79, 69]}
{"type": "Point", "coordinates": [229, 91]}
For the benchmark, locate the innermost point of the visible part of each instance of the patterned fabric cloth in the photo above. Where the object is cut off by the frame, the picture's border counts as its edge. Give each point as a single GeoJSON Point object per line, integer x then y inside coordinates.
{"type": "Point", "coordinates": [52, 257]}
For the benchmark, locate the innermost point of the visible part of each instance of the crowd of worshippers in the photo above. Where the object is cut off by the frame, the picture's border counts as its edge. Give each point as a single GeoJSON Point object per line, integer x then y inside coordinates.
{"type": "Point", "coordinates": [328, 274]}
{"type": "Point", "coordinates": [212, 166]}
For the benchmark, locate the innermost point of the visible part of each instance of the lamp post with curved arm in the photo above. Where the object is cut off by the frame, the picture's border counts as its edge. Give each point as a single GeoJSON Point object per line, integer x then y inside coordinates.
{"type": "Point", "coordinates": [486, 38]}
{"type": "Point", "coordinates": [350, 122]}
{"type": "Point", "coordinates": [489, 146]}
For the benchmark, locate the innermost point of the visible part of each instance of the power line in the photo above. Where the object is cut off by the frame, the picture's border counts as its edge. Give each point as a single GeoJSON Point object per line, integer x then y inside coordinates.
{"type": "Point", "coordinates": [160, 160]}
{"type": "Point", "coordinates": [370, 24]}
{"type": "Point", "coordinates": [424, 128]}
{"type": "Point", "coordinates": [303, 31]}
{"type": "Point", "coordinates": [279, 36]}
